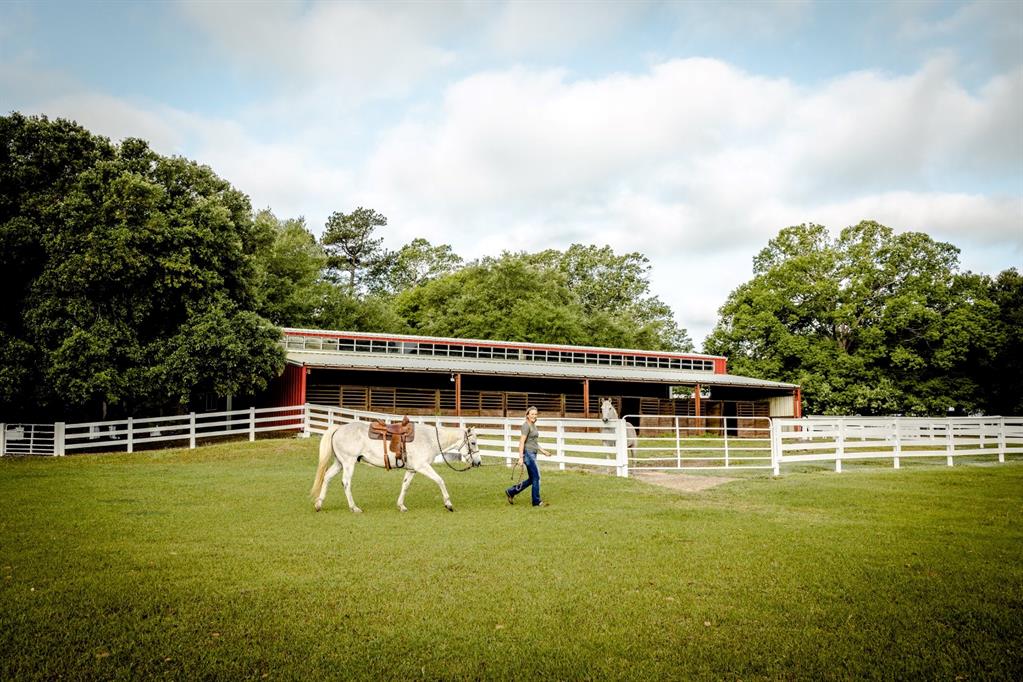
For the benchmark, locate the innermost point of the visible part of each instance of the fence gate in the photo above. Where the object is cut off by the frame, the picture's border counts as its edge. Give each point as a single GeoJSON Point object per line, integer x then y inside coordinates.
{"type": "Point", "coordinates": [27, 439]}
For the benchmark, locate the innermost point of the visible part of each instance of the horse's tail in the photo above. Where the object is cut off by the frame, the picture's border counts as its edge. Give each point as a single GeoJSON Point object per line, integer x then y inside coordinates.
{"type": "Point", "coordinates": [326, 453]}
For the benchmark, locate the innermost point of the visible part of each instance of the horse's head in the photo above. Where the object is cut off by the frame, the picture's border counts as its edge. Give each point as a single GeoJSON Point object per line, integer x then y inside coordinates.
{"type": "Point", "coordinates": [473, 455]}
{"type": "Point", "coordinates": [607, 410]}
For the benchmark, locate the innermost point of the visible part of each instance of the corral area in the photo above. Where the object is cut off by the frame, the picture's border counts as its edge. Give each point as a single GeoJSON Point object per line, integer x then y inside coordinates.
{"type": "Point", "coordinates": [211, 563]}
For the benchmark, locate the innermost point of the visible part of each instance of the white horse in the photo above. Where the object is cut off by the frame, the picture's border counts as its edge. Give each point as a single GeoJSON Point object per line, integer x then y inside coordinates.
{"type": "Point", "coordinates": [348, 444]}
{"type": "Point", "coordinates": [609, 415]}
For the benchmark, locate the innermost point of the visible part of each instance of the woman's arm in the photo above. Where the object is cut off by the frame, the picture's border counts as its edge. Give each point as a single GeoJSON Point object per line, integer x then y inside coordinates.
{"type": "Point", "coordinates": [522, 447]}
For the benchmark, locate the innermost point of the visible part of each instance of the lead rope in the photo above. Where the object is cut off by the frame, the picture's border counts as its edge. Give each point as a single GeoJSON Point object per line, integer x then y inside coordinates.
{"type": "Point", "coordinates": [444, 454]}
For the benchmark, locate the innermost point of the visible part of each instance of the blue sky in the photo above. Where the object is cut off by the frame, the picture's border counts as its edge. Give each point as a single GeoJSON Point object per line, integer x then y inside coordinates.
{"type": "Point", "coordinates": [691, 132]}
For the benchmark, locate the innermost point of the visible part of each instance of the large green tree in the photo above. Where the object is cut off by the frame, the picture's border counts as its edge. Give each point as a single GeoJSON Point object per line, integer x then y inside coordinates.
{"type": "Point", "coordinates": [414, 264]}
{"type": "Point", "coordinates": [550, 297]}
{"type": "Point", "coordinates": [132, 275]}
{"type": "Point", "coordinates": [507, 298]}
{"type": "Point", "coordinates": [872, 322]}
{"type": "Point", "coordinates": [351, 245]}
{"type": "Point", "coordinates": [1001, 373]}
{"type": "Point", "coordinates": [613, 291]}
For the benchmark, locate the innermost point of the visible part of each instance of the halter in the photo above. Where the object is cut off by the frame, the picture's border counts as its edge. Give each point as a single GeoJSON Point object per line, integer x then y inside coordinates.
{"type": "Point", "coordinates": [457, 449]}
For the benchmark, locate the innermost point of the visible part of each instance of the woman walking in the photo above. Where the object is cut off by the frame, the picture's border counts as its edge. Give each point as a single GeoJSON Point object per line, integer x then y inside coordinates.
{"type": "Point", "coordinates": [529, 445]}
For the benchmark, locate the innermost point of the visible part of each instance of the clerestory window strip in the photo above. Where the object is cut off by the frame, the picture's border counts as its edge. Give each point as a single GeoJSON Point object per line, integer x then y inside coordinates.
{"type": "Point", "coordinates": [477, 352]}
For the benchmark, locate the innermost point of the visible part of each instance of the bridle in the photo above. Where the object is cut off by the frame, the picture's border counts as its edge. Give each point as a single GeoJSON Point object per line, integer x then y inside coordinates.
{"type": "Point", "coordinates": [457, 449]}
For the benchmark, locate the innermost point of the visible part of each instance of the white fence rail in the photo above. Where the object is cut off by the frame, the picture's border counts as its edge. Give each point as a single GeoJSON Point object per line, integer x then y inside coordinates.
{"type": "Point", "coordinates": [663, 442]}
{"type": "Point", "coordinates": [127, 434]}
{"type": "Point", "coordinates": [680, 443]}
{"type": "Point", "coordinates": [827, 439]}
{"type": "Point", "coordinates": [573, 442]}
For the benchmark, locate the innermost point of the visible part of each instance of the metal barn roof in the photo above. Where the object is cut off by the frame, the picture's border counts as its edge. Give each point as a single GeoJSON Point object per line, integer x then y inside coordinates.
{"type": "Point", "coordinates": [412, 363]}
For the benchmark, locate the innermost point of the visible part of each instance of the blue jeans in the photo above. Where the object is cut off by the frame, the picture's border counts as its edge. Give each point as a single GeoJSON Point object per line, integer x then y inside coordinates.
{"type": "Point", "coordinates": [529, 459]}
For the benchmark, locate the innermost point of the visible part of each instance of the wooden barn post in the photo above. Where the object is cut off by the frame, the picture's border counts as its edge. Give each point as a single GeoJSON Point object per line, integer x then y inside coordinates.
{"type": "Point", "coordinates": [458, 395]}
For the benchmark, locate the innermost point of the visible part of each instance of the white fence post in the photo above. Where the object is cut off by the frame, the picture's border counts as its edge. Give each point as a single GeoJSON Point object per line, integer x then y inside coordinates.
{"type": "Point", "coordinates": [950, 447]}
{"type": "Point", "coordinates": [191, 430]}
{"type": "Point", "coordinates": [1001, 439]}
{"type": "Point", "coordinates": [559, 444]}
{"type": "Point", "coordinates": [131, 435]}
{"type": "Point", "coordinates": [307, 418]}
{"type": "Point", "coordinates": [840, 445]}
{"type": "Point", "coordinates": [726, 439]}
{"type": "Point", "coordinates": [507, 444]}
{"type": "Point", "coordinates": [252, 424]}
{"type": "Point", "coordinates": [58, 439]}
{"type": "Point", "coordinates": [898, 441]}
{"type": "Point", "coordinates": [622, 456]}
{"type": "Point", "coordinates": [775, 447]}
{"type": "Point", "coordinates": [3, 439]}
{"type": "Point", "coordinates": [678, 444]}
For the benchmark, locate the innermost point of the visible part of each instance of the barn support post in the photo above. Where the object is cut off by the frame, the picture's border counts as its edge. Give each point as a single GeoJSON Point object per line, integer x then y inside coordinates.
{"type": "Point", "coordinates": [58, 439]}
{"type": "Point", "coordinates": [586, 398]}
{"type": "Point", "coordinates": [458, 395]}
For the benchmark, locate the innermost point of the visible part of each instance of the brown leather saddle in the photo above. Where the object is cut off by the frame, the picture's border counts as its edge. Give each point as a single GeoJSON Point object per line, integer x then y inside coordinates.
{"type": "Point", "coordinates": [398, 434]}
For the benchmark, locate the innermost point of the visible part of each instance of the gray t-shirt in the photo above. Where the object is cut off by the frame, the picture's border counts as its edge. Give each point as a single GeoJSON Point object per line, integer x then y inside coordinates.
{"type": "Point", "coordinates": [532, 435]}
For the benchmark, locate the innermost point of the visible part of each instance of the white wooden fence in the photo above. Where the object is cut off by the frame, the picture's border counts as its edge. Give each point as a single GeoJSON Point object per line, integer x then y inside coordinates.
{"type": "Point", "coordinates": [665, 443]}
{"type": "Point", "coordinates": [572, 442]}
{"type": "Point", "coordinates": [681, 443]}
{"type": "Point", "coordinates": [127, 434]}
{"type": "Point", "coordinates": [837, 439]}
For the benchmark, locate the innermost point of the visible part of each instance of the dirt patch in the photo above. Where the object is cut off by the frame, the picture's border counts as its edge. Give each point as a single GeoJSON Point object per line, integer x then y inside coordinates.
{"type": "Point", "coordinates": [683, 482]}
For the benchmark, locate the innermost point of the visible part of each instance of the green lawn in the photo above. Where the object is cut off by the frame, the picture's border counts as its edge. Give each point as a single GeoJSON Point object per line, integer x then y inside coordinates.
{"type": "Point", "coordinates": [212, 564]}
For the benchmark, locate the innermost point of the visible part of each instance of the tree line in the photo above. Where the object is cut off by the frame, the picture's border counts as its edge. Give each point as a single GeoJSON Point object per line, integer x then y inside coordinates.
{"type": "Point", "coordinates": [139, 283]}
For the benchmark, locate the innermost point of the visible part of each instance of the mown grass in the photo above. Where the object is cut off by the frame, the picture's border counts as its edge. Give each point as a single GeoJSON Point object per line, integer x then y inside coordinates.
{"type": "Point", "coordinates": [211, 564]}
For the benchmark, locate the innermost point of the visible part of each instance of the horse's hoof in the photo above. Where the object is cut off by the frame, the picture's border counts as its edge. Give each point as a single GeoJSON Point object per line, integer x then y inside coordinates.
{"type": "Point", "coordinates": [449, 507]}
{"type": "Point", "coordinates": [356, 510]}
{"type": "Point", "coordinates": [403, 509]}
{"type": "Point", "coordinates": [318, 505]}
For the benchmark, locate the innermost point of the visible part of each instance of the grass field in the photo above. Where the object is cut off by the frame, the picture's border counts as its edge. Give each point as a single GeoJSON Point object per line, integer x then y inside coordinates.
{"type": "Point", "coordinates": [211, 564]}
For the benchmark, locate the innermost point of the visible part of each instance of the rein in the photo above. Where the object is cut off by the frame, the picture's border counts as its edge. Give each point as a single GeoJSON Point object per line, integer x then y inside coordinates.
{"type": "Point", "coordinates": [457, 450]}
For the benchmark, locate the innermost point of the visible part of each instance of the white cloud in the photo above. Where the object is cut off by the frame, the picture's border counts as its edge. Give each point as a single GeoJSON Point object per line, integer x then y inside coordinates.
{"type": "Point", "coordinates": [693, 158]}
{"type": "Point", "coordinates": [525, 28]}
{"type": "Point", "coordinates": [344, 50]}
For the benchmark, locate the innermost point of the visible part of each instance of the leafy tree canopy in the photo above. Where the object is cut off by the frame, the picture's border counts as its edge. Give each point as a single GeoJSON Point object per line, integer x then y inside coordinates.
{"type": "Point", "coordinates": [872, 322]}
{"type": "Point", "coordinates": [351, 246]}
{"type": "Point", "coordinates": [546, 297]}
{"type": "Point", "coordinates": [129, 273]}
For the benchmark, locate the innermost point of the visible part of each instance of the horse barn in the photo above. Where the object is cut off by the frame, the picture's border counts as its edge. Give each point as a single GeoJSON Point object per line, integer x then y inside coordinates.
{"type": "Point", "coordinates": [423, 375]}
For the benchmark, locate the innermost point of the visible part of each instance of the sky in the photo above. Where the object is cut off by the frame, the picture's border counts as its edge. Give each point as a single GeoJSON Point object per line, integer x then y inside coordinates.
{"type": "Point", "coordinates": [691, 132]}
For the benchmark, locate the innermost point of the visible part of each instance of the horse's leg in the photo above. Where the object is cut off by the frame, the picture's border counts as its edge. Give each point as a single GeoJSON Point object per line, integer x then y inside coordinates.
{"type": "Point", "coordinates": [404, 487]}
{"type": "Point", "coordinates": [346, 478]}
{"type": "Point", "coordinates": [331, 473]}
{"type": "Point", "coordinates": [428, 471]}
